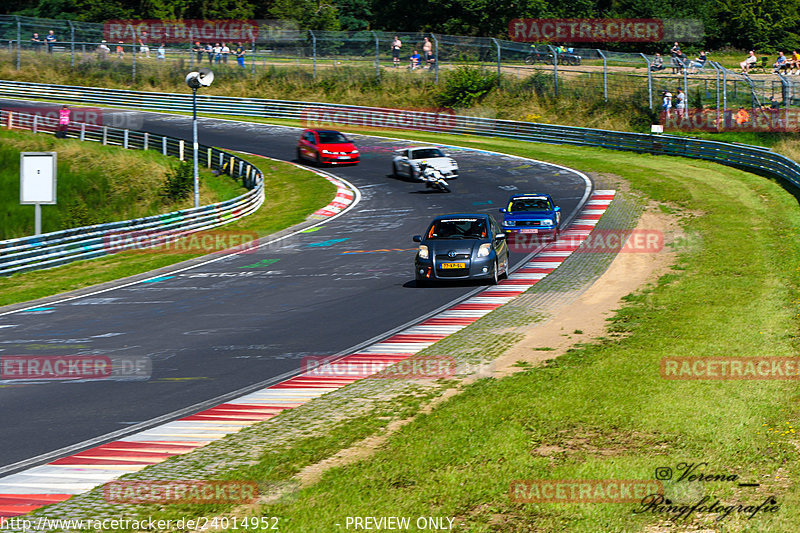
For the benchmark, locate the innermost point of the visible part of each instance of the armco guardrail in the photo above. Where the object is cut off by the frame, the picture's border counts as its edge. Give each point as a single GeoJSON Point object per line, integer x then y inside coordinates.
{"type": "Point", "coordinates": [60, 247]}
{"type": "Point", "coordinates": [750, 157]}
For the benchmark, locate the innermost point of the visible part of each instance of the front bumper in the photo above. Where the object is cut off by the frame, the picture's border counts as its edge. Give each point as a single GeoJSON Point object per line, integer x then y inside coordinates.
{"type": "Point", "coordinates": [429, 270]}
{"type": "Point", "coordinates": [339, 159]}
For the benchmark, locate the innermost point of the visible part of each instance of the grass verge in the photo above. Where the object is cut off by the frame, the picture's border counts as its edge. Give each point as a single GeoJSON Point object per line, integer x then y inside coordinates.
{"type": "Point", "coordinates": [96, 184]}
{"type": "Point", "coordinates": [292, 194]}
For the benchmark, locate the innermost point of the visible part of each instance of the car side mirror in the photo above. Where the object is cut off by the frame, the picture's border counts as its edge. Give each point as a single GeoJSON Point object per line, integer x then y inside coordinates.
{"type": "Point", "coordinates": [503, 210]}
{"type": "Point", "coordinates": [500, 236]}
{"type": "Point", "coordinates": [417, 238]}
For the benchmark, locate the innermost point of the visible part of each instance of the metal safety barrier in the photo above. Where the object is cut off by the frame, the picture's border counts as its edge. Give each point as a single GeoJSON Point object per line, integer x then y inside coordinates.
{"type": "Point", "coordinates": [87, 242]}
{"type": "Point", "coordinates": [750, 157]}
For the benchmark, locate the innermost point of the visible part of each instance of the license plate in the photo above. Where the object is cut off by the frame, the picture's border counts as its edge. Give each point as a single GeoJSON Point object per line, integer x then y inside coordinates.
{"type": "Point", "coordinates": [343, 157]}
{"type": "Point", "coordinates": [534, 230]}
{"type": "Point", "coordinates": [453, 265]}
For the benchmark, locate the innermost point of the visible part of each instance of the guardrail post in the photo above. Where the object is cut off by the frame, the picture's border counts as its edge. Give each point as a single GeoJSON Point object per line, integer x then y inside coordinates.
{"type": "Point", "coordinates": [497, 45]}
{"type": "Point", "coordinates": [124, 138]}
{"type": "Point", "coordinates": [377, 58]}
{"type": "Point", "coordinates": [71, 44]}
{"type": "Point", "coordinates": [555, 69]}
{"type": "Point", "coordinates": [19, 43]}
{"type": "Point", "coordinates": [221, 160]}
{"type": "Point", "coordinates": [435, 58]}
{"type": "Point", "coordinates": [105, 135]}
{"type": "Point", "coordinates": [208, 160]}
{"type": "Point", "coordinates": [253, 58]}
{"type": "Point", "coordinates": [241, 164]}
{"type": "Point", "coordinates": [35, 124]}
{"type": "Point", "coordinates": [83, 131]}
{"type": "Point", "coordinates": [649, 81]}
{"type": "Point", "coordinates": [164, 144]}
{"type": "Point", "coordinates": [146, 141]}
{"type": "Point", "coordinates": [314, 52]}
{"type": "Point", "coordinates": [605, 75]}
{"type": "Point", "coordinates": [181, 145]}
{"type": "Point", "coordinates": [10, 119]}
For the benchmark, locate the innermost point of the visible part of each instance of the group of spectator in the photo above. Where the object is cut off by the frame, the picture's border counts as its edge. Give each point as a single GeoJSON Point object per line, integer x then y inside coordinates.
{"type": "Point", "coordinates": [784, 64]}
{"type": "Point", "coordinates": [680, 103]}
{"type": "Point", "coordinates": [415, 60]}
{"type": "Point", "coordinates": [49, 39]}
{"type": "Point", "coordinates": [219, 52]}
{"type": "Point", "coordinates": [679, 62]}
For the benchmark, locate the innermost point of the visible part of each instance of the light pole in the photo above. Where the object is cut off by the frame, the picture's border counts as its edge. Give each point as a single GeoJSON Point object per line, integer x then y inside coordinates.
{"type": "Point", "coordinates": [195, 80]}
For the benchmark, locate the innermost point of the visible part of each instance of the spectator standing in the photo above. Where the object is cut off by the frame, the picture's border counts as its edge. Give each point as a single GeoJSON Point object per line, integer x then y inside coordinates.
{"type": "Point", "coordinates": [36, 42]}
{"type": "Point", "coordinates": [658, 63]}
{"type": "Point", "coordinates": [198, 49]}
{"type": "Point", "coordinates": [239, 51]}
{"type": "Point", "coordinates": [680, 104]}
{"type": "Point", "coordinates": [210, 53]}
{"type": "Point", "coordinates": [161, 53]}
{"type": "Point", "coordinates": [414, 60]}
{"type": "Point", "coordinates": [102, 51]}
{"type": "Point", "coordinates": [427, 51]}
{"type": "Point", "coordinates": [675, 58]}
{"type": "Point", "coordinates": [51, 41]}
{"type": "Point", "coordinates": [120, 50]}
{"type": "Point", "coordinates": [217, 53]}
{"type": "Point", "coordinates": [666, 103]}
{"type": "Point", "coordinates": [63, 122]}
{"type": "Point", "coordinates": [748, 62]}
{"type": "Point", "coordinates": [225, 51]}
{"type": "Point", "coordinates": [143, 48]}
{"type": "Point", "coordinates": [396, 46]}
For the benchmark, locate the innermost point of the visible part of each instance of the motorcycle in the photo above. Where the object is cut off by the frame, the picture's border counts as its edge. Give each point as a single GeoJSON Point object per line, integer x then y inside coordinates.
{"type": "Point", "coordinates": [433, 178]}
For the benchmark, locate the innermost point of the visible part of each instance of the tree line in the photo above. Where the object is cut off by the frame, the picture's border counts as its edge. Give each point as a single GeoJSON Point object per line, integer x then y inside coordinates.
{"type": "Point", "coordinates": [743, 24]}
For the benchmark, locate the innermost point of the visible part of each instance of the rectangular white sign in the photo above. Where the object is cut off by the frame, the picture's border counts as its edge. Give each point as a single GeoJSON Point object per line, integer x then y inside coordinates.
{"type": "Point", "coordinates": [37, 178]}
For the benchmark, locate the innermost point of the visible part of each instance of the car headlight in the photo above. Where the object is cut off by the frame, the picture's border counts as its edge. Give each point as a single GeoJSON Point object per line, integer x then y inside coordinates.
{"type": "Point", "coordinates": [509, 222]}
{"type": "Point", "coordinates": [423, 252]}
{"type": "Point", "coordinates": [547, 222]}
{"type": "Point", "coordinates": [326, 152]}
{"type": "Point", "coordinates": [484, 250]}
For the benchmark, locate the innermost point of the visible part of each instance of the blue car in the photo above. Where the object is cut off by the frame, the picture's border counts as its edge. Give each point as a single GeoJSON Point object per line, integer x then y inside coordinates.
{"type": "Point", "coordinates": [461, 247]}
{"type": "Point", "coordinates": [532, 215]}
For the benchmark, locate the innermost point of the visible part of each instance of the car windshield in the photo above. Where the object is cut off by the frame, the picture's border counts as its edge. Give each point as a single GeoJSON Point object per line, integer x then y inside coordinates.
{"type": "Point", "coordinates": [458, 228]}
{"type": "Point", "coordinates": [529, 204]}
{"type": "Point", "coordinates": [332, 137]}
{"type": "Point", "coordinates": [425, 153]}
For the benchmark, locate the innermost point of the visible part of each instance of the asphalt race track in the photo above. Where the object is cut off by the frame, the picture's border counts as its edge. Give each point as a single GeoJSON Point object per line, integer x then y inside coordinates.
{"type": "Point", "coordinates": [247, 318]}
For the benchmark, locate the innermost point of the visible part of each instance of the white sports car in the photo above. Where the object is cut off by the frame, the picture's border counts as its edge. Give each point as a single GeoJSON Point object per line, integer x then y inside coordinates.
{"type": "Point", "coordinates": [406, 162]}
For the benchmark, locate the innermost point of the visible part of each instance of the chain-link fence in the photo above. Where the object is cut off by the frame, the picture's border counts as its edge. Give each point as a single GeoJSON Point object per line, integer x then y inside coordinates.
{"type": "Point", "coordinates": [578, 73]}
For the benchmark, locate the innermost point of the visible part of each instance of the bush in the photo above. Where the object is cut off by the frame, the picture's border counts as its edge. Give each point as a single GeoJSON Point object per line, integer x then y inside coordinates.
{"type": "Point", "coordinates": [179, 183]}
{"type": "Point", "coordinates": [466, 86]}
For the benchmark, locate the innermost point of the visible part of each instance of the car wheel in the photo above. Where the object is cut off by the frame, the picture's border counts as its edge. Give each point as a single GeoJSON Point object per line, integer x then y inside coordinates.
{"type": "Point", "coordinates": [495, 279]}
{"type": "Point", "coordinates": [394, 170]}
{"type": "Point", "coordinates": [319, 160]}
{"type": "Point", "coordinates": [504, 275]}
{"type": "Point", "coordinates": [530, 60]}
{"type": "Point", "coordinates": [299, 156]}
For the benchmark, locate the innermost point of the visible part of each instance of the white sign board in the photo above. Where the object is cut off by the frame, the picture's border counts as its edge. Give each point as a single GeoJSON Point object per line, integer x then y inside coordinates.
{"type": "Point", "coordinates": [37, 178]}
{"type": "Point", "coordinates": [656, 128]}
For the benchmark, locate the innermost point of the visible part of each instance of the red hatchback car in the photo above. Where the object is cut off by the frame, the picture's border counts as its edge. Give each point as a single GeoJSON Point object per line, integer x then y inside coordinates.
{"type": "Point", "coordinates": [326, 147]}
